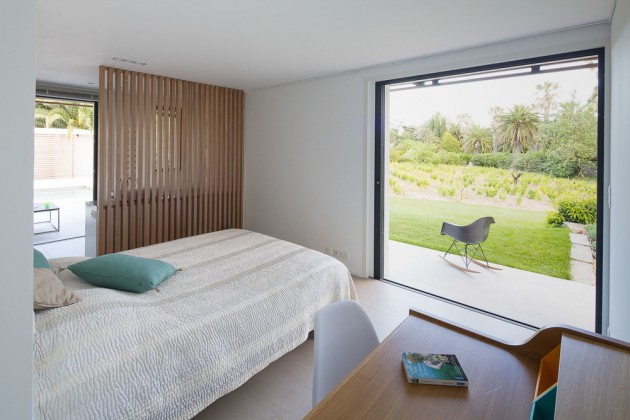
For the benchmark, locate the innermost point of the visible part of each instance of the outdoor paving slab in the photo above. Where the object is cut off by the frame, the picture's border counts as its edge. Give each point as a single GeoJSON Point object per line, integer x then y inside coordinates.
{"type": "Point", "coordinates": [578, 239]}
{"type": "Point", "coordinates": [582, 253]}
{"type": "Point", "coordinates": [575, 227]}
{"type": "Point", "coordinates": [582, 272]}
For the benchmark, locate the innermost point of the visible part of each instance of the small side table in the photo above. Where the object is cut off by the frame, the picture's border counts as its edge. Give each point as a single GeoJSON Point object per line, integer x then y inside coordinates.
{"type": "Point", "coordinates": [47, 208]}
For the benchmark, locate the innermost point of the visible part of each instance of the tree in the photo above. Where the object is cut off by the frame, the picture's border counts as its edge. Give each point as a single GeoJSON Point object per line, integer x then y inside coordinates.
{"type": "Point", "coordinates": [438, 124]}
{"type": "Point", "coordinates": [66, 116]}
{"type": "Point", "coordinates": [572, 135]}
{"type": "Point", "coordinates": [546, 101]}
{"type": "Point", "coordinates": [478, 140]}
{"type": "Point", "coordinates": [464, 122]}
{"type": "Point", "coordinates": [450, 144]}
{"type": "Point", "coordinates": [517, 128]}
{"type": "Point", "coordinates": [496, 111]}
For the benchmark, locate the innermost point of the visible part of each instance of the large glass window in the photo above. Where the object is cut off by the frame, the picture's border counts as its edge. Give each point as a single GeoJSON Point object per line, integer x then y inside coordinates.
{"type": "Point", "coordinates": [520, 142]}
{"type": "Point", "coordinates": [64, 170]}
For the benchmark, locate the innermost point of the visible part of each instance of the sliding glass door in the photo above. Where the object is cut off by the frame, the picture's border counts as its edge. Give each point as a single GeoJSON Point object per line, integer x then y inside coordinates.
{"type": "Point", "coordinates": [521, 142]}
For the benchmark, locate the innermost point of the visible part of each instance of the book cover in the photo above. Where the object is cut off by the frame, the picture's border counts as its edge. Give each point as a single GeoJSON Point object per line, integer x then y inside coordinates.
{"type": "Point", "coordinates": [436, 369]}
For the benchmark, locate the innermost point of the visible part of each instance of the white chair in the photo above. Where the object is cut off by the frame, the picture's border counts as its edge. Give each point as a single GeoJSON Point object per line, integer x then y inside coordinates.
{"type": "Point", "coordinates": [344, 335]}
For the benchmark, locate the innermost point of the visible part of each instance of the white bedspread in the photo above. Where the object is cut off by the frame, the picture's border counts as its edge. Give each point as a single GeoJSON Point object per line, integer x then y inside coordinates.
{"type": "Point", "coordinates": [240, 301]}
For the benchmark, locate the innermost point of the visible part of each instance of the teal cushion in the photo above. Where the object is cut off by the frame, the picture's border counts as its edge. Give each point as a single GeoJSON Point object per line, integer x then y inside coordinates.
{"type": "Point", "coordinates": [123, 272]}
{"type": "Point", "coordinates": [39, 260]}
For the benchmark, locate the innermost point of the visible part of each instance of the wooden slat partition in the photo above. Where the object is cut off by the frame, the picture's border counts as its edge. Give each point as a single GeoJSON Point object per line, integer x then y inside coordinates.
{"type": "Point", "coordinates": [170, 159]}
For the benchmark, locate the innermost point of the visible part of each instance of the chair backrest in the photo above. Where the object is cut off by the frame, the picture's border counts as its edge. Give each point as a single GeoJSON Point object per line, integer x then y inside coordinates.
{"type": "Point", "coordinates": [479, 229]}
{"type": "Point", "coordinates": [344, 335]}
{"type": "Point", "coordinates": [474, 233]}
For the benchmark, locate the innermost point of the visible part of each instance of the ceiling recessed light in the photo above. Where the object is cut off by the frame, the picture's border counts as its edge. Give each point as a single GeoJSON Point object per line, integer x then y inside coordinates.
{"type": "Point", "coordinates": [129, 61]}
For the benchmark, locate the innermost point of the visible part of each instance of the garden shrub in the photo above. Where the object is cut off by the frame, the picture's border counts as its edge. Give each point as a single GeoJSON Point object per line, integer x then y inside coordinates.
{"type": "Point", "coordinates": [449, 158]}
{"type": "Point", "coordinates": [578, 210]}
{"type": "Point", "coordinates": [492, 160]}
{"type": "Point", "coordinates": [395, 155]}
{"type": "Point", "coordinates": [469, 179]}
{"type": "Point", "coordinates": [418, 152]}
{"type": "Point", "coordinates": [531, 162]}
{"type": "Point", "coordinates": [591, 231]}
{"type": "Point", "coordinates": [446, 191]}
{"type": "Point", "coordinates": [587, 168]}
{"type": "Point", "coordinates": [562, 168]}
{"type": "Point", "coordinates": [550, 191]}
{"type": "Point", "coordinates": [393, 184]}
{"type": "Point", "coordinates": [421, 182]}
{"type": "Point", "coordinates": [554, 219]}
{"type": "Point", "coordinates": [556, 165]}
{"type": "Point", "coordinates": [491, 191]}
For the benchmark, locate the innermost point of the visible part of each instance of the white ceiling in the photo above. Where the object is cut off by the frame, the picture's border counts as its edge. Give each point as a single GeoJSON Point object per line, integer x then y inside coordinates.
{"type": "Point", "coordinates": [251, 44]}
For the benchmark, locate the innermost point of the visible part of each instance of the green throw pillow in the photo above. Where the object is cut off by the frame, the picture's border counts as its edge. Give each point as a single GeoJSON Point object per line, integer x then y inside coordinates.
{"type": "Point", "coordinates": [123, 272]}
{"type": "Point", "coordinates": [39, 260]}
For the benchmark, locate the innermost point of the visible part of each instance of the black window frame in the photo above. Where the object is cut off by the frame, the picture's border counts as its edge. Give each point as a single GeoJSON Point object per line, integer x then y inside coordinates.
{"type": "Point", "coordinates": [61, 93]}
{"type": "Point", "coordinates": [379, 167]}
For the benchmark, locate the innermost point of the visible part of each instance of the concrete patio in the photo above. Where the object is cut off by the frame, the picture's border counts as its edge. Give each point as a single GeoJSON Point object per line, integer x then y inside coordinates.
{"type": "Point", "coordinates": [527, 297]}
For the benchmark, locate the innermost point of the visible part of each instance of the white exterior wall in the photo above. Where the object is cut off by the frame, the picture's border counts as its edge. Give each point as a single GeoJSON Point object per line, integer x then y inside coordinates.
{"type": "Point", "coordinates": [17, 85]}
{"type": "Point", "coordinates": [620, 173]}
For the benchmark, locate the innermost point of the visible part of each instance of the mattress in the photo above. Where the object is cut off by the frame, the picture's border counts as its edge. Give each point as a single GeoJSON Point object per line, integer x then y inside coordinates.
{"type": "Point", "coordinates": [239, 301]}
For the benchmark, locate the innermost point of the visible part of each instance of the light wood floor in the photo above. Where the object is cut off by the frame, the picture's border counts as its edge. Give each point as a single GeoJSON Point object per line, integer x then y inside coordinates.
{"type": "Point", "coordinates": [283, 389]}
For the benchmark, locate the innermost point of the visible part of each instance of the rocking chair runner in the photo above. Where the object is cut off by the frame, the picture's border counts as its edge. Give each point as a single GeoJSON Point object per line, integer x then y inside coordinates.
{"type": "Point", "coordinates": [471, 236]}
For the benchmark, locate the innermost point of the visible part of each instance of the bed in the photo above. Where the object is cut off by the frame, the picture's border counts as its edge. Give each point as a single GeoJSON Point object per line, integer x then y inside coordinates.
{"type": "Point", "coordinates": [239, 301]}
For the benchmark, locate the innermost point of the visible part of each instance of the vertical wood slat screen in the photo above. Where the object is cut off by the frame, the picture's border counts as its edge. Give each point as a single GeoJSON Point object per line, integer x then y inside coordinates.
{"type": "Point", "coordinates": [170, 159]}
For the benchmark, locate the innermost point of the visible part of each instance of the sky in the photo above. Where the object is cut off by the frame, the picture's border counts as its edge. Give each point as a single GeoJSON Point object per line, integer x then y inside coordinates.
{"type": "Point", "coordinates": [415, 106]}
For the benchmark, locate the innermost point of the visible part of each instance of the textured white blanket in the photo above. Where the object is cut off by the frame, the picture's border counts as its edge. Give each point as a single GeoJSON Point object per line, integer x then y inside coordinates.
{"type": "Point", "coordinates": [240, 301]}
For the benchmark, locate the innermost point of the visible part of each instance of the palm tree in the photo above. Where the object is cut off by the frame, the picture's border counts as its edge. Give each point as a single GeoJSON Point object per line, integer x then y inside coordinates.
{"type": "Point", "coordinates": [460, 128]}
{"type": "Point", "coordinates": [67, 116]}
{"type": "Point", "coordinates": [496, 111]}
{"type": "Point", "coordinates": [464, 121]}
{"type": "Point", "coordinates": [478, 139]}
{"type": "Point", "coordinates": [517, 128]}
{"type": "Point", "coordinates": [546, 101]}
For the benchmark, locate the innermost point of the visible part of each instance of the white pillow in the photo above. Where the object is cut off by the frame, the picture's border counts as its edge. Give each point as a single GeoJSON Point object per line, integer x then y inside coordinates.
{"type": "Point", "coordinates": [48, 291]}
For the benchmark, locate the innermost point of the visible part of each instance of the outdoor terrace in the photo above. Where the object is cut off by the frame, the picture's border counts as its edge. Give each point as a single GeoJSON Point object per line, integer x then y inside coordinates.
{"type": "Point", "coordinates": [531, 298]}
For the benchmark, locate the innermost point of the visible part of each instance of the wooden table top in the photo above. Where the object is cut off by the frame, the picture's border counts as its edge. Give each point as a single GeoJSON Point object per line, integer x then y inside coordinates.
{"type": "Point", "coordinates": [502, 376]}
{"type": "Point", "coordinates": [501, 382]}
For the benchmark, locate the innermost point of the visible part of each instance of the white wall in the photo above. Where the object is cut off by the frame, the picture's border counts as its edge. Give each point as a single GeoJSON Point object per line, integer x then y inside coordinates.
{"type": "Point", "coordinates": [309, 146]}
{"type": "Point", "coordinates": [17, 87]}
{"type": "Point", "coordinates": [620, 173]}
{"type": "Point", "coordinates": [305, 164]}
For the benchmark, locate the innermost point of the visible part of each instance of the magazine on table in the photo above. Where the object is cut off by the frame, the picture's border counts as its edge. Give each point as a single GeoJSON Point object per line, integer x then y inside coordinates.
{"type": "Point", "coordinates": [435, 369]}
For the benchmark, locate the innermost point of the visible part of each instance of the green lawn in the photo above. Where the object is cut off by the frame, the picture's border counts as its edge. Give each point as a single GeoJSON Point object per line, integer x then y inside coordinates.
{"type": "Point", "coordinates": [519, 239]}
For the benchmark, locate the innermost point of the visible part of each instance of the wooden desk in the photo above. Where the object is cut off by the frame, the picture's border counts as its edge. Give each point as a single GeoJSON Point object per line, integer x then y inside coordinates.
{"type": "Point", "coordinates": [593, 381]}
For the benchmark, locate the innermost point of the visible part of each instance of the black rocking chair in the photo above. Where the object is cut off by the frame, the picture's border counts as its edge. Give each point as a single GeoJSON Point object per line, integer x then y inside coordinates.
{"type": "Point", "coordinates": [471, 236]}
